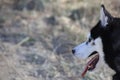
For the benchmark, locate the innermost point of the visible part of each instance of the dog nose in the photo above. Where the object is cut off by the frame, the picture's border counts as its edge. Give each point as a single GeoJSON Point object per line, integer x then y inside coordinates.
{"type": "Point", "coordinates": [73, 51]}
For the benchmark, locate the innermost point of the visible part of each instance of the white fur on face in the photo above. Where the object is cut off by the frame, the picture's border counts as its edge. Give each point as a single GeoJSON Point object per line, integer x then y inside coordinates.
{"type": "Point", "coordinates": [88, 47]}
{"type": "Point", "coordinates": [83, 50]}
{"type": "Point", "coordinates": [103, 18]}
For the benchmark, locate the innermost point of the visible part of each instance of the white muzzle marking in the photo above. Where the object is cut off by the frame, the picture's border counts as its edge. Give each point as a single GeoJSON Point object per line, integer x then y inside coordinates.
{"type": "Point", "coordinates": [85, 49]}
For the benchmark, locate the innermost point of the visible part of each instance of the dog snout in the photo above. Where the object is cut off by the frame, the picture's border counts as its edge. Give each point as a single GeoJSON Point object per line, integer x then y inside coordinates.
{"type": "Point", "coordinates": [73, 51]}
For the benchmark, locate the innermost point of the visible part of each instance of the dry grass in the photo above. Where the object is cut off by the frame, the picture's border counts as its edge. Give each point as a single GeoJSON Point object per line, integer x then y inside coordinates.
{"type": "Point", "coordinates": [36, 44]}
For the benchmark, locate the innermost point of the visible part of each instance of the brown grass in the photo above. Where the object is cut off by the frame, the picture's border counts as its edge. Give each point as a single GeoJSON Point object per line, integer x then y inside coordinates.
{"type": "Point", "coordinates": [36, 44]}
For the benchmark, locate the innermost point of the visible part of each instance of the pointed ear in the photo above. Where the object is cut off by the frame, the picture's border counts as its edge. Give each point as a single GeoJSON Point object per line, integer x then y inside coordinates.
{"type": "Point", "coordinates": [105, 16]}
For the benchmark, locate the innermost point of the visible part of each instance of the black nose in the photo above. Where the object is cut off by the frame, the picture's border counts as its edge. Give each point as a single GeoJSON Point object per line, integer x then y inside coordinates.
{"type": "Point", "coordinates": [73, 51]}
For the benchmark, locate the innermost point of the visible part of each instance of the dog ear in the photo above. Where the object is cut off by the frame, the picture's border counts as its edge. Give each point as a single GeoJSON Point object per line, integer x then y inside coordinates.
{"type": "Point", "coordinates": [105, 16]}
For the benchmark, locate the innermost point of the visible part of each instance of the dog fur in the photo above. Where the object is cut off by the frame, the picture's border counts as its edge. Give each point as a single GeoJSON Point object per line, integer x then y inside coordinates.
{"type": "Point", "coordinates": [105, 39]}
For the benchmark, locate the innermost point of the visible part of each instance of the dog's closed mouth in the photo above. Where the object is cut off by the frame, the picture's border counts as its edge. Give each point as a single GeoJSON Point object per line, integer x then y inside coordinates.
{"type": "Point", "coordinates": [91, 64]}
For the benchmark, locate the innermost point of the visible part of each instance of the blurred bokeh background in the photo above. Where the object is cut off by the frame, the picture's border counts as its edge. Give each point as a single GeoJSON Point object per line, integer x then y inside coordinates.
{"type": "Point", "coordinates": [36, 38]}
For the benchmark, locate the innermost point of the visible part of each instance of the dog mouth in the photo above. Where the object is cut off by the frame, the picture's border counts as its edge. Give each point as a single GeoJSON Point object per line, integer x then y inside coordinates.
{"type": "Point", "coordinates": [91, 64]}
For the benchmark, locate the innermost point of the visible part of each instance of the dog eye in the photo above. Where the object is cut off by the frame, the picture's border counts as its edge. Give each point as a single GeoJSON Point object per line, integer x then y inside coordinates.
{"type": "Point", "coordinates": [93, 43]}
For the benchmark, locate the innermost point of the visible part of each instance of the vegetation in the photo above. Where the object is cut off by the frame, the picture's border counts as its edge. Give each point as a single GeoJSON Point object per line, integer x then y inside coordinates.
{"type": "Point", "coordinates": [36, 38]}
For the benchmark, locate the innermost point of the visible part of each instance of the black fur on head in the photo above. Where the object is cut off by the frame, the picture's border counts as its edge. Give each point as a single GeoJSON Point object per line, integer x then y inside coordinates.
{"type": "Point", "coordinates": [104, 23]}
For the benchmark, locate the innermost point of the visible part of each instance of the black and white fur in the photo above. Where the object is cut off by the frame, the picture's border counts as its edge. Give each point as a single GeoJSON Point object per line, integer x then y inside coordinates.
{"type": "Point", "coordinates": [104, 38]}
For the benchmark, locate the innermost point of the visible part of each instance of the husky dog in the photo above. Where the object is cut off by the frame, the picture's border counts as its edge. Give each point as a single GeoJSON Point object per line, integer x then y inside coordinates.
{"type": "Point", "coordinates": [103, 41]}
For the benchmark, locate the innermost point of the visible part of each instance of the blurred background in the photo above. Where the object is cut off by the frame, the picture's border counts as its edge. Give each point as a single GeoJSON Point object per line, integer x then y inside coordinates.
{"type": "Point", "coordinates": [36, 38]}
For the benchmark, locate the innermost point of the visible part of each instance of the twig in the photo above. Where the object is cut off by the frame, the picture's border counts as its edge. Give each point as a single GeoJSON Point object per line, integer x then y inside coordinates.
{"type": "Point", "coordinates": [23, 41]}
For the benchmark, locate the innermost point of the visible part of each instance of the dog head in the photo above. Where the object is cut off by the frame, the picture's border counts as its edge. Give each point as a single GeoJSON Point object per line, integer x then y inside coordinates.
{"type": "Point", "coordinates": [94, 42]}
